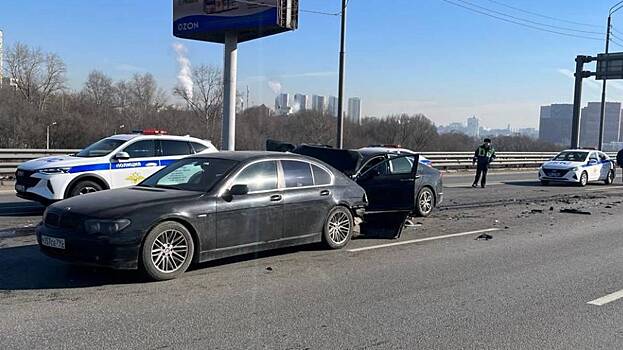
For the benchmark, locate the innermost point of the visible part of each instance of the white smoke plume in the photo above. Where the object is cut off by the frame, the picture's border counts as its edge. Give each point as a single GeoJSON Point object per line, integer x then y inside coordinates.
{"type": "Point", "coordinates": [184, 76]}
{"type": "Point", "coordinates": [275, 86]}
{"type": "Point", "coordinates": [296, 107]}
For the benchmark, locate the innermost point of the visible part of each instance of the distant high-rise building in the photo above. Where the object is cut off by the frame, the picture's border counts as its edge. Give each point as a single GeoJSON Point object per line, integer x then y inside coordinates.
{"type": "Point", "coordinates": [354, 110]}
{"type": "Point", "coordinates": [332, 108]}
{"type": "Point", "coordinates": [282, 104]}
{"type": "Point", "coordinates": [555, 123]}
{"type": "Point", "coordinates": [301, 102]}
{"type": "Point", "coordinates": [473, 127]}
{"type": "Point", "coordinates": [1, 58]}
{"type": "Point", "coordinates": [589, 124]}
{"type": "Point", "coordinates": [319, 103]}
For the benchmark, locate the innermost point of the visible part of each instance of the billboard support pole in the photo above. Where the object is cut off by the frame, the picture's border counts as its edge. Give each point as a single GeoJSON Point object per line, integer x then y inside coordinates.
{"type": "Point", "coordinates": [340, 94]}
{"type": "Point", "coordinates": [230, 69]}
{"type": "Point", "coordinates": [602, 112]}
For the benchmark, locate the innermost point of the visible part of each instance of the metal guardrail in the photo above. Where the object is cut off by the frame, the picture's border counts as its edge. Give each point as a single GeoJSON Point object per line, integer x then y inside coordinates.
{"type": "Point", "coordinates": [11, 158]}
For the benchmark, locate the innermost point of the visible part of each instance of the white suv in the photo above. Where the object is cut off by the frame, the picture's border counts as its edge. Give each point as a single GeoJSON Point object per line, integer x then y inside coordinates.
{"type": "Point", "coordinates": [113, 162]}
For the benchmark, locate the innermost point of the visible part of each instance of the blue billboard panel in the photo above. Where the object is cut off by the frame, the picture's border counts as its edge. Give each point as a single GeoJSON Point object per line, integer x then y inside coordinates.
{"type": "Point", "coordinates": [209, 20]}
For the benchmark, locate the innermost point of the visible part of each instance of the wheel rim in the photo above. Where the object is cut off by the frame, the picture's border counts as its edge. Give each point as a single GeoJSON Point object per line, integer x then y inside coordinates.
{"type": "Point", "coordinates": [87, 189]}
{"type": "Point", "coordinates": [169, 251]}
{"type": "Point", "coordinates": [339, 227]}
{"type": "Point", "coordinates": [584, 179]}
{"type": "Point", "coordinates": [426, 202]}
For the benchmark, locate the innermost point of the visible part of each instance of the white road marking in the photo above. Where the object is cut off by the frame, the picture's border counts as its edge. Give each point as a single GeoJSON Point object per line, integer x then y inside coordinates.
{"type": "Point", "coordinates": [607, 299]}
{"type": "Point", "coordinates": [422, 240]}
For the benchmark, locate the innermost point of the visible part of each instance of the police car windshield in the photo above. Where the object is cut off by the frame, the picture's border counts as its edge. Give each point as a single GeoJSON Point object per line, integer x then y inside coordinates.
{"type": "Point", "coordinates": [100, 148]}
{"type": "Point", "coordinates": [572, 156]}
{"type": "Point", "coordinates": [191, 174]}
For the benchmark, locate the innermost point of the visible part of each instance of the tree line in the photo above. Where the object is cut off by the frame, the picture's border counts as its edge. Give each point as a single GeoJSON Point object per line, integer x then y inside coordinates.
{"type": "Point", "coordinates": [102, 107]}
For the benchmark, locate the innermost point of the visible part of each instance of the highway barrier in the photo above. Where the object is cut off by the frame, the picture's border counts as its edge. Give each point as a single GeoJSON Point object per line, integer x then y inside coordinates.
{"type": "Point", "coordinates": [11, 158]}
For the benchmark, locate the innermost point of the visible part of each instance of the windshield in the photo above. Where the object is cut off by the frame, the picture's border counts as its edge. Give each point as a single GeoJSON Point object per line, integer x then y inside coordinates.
{"type": "Point", "coordinates": [572, 156]}
{"type": "Point", "coordinates": [191, 174]}
{"type": "Point", "coordinates": [100, 148]}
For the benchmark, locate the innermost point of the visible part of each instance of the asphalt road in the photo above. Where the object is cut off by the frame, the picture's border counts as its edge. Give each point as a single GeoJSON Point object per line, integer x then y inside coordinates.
{"type": "Point", "coordinates": [528, 287]}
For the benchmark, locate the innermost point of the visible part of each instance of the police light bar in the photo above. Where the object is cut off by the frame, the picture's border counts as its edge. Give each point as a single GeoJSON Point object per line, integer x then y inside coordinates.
{"type": "Point", "coordinates": [150, 132]}
{"type": "Point", "coordinates": [386, 146]}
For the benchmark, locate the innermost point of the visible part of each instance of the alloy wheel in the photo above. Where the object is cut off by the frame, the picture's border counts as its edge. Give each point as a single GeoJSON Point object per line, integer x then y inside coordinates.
{"type": "Point", "coordinates": [87, 189]}
{"type": "Point", "coordinates": [169, 251]}
{"type": "Point", "coordinates": [426, 202]}
{"type": "Point", "coordinates": [339, 227]}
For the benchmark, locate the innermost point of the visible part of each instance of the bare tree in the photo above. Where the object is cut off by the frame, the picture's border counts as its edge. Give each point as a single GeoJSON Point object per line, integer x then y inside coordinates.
{"type": "Point", "coordinates": [205, 99]}
{"type": "Point", "coordinates": [99, 89]}
{"type": "Point", "coordinates": [38, 75]}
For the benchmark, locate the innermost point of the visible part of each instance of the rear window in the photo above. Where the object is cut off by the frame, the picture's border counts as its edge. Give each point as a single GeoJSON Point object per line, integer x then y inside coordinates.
{"type": "Point", "coordinates": [175, 148]}
{"type": "Point", "coordinates": [297, 174]}
{"type": "Point", "coordinates": [198, 147]}
{"type": "Point", "coordinates": [321, 177]}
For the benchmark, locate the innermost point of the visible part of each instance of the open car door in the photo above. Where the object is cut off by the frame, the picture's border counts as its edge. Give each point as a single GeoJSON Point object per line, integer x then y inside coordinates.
{"type": "Point", "coordinates": [390, 186]}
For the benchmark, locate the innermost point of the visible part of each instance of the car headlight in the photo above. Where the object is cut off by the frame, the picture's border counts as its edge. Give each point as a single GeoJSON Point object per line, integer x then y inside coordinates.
{"type": "Point", "coordinates": [105, 226]}
{"type": "Point", "coordinates": [50, 171]}
{"type": "Point", "coordinates": [576, 168]}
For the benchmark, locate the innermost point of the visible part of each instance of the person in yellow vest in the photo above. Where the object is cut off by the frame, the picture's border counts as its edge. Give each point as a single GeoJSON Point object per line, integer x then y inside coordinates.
{"type": "Point", "coordinates": [484, 155]}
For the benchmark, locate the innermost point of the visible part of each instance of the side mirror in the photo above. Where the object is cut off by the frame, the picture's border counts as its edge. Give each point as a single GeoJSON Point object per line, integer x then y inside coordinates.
{"type": "Point", "coordinates": [592, 161]}
{"type": "Point", "coordinates": [122, 156]}
{"type": "Point", "coordinates": [239, 190]}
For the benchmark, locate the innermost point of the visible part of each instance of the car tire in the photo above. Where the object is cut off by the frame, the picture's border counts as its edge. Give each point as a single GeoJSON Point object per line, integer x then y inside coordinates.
{"type": "Point", "coordinates": [610, 178]}
{"type": "Point", "coordinates": [84, 187]}
{"type": "Point", "coordinates": [583, 179]}
{"type": "Point", "coordinates": [544, 182]}
{"type": "Point", "coordinates": [338, 228]}
{"type": "Point", "coordinates": [167, 251]}
{"type": "Point", "coordinates": [424, 202]}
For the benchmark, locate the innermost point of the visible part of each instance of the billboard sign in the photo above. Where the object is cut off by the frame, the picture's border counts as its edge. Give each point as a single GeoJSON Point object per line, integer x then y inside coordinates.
{"type": "Point", "coordinates": [209, 20]}
{"type": "Point", "coordinates": [609, 66]}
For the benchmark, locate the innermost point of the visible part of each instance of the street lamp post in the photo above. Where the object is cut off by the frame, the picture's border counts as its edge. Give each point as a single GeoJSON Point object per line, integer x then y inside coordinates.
{"type": "Point", "coordinates": [340, 93]}
{"type": "Point", "coordinates": [602, 115]}
{"type": "Point", "coordinates": [47, 135]}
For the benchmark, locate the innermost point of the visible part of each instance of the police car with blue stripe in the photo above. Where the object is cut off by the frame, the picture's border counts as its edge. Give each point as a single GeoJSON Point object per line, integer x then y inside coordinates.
{"type": "Point", "coordinates": [113, 162]}
{"type": "Point", "coordinates": [578, 166]}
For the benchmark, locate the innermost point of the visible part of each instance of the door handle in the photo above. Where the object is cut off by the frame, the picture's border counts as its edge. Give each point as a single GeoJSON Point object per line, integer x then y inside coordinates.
{"type": "Point", "coordinates": [275, 198]}
{"type": "Point", "coordinates": [325, 193]}
{"type": "Point", "coordinates": [151, 164]}
{"type": "Point", "coordinates": [406, 180]}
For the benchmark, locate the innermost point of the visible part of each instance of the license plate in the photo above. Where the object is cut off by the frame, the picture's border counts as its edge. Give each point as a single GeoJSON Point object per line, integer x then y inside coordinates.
{"type": "Point", "coordinates": [52, 242]}
{"type": "Point", "coordinates": [20, 188]}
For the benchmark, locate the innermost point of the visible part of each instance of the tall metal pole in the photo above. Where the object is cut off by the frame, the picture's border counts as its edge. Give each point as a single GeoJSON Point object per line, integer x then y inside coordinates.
{"type": "Point", "coordinates": [47, 138]}
{"type": "Point", "coordinates": [340, 97]}
{"type": "Point", "coordinates": [230, 69]}
{"type": "Point", "coordinates": [602, 115]}
{"type": "Point", "coordinates": [577, 101]}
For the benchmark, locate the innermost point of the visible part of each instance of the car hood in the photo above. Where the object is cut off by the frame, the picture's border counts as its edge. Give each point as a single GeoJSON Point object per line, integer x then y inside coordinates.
{"type": "Point", "coordinates": [107, 204]}
{"type": "Point", "coordinates": [65, 161]}
{"type": "Point", "coordinates": [557, 164]}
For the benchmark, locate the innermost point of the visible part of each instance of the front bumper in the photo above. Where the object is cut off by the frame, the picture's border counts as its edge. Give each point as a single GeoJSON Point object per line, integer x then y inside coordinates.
{"type": "Point", "coordinates": [555, 175]}
{"type": "Point", "coordinates": [119, 252]}
{"type": "Point", "coordinates": [42, 188]}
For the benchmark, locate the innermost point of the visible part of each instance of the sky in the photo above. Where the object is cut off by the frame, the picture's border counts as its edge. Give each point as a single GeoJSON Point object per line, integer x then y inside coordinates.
{"type": "Point", "coordinates": [403, 56]}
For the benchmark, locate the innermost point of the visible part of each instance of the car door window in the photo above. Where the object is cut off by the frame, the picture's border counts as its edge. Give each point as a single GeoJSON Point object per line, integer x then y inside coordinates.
{"type": "Point", "coordinates": [297, 174]}
{"type": "Point", "coordinates": [321, 177]}
{"type": "Point", "coordinates": [175, 148]}
{"type": "Point", "coordinates": [401, 165]}
{"type": "Point", "coordinates": [602, 156]}
{"type": "Point", "coordinates": [141, 149]}
{"type": "Point", "coordinates": [260, 176]}
{"type": "Point", "coordinates": [593, 157]}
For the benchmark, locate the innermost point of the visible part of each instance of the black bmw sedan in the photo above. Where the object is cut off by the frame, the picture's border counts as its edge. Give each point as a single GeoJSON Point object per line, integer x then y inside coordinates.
{"type": "Point", "coordinates": [204, 208]}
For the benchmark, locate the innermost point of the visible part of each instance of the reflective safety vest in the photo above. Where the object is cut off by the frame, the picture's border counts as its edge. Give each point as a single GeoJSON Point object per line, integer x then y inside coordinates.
{"type": "Point", "coordinates": [484, 152]}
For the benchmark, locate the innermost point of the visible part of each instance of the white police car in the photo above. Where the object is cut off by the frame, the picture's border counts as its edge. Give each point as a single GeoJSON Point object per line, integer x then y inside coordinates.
{"type": "Point", "coordinates": [578, 166]}
{"type": "Point", "coordinates": [113, 162]}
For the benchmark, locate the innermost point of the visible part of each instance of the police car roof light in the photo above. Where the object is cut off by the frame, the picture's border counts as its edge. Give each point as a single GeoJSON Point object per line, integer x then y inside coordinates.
{"type": "Point", "coordinates": [153, 132]}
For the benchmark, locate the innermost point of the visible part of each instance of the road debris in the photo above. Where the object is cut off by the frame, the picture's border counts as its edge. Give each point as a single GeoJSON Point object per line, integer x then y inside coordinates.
{"type": "Point", "coordinates": [535, 211]}
{"type": "Point", "coordinates": [575, 211]}
{"type": "Point", "coordinates": [269, 268]}
{"type": "Point", "coordinates": [484, 237]}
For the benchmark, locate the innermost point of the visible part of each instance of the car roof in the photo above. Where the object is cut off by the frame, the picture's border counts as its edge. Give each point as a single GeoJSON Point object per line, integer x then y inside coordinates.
{"type": "Point", "coordinates": [128, 137]}
{"type": "Point", "coordinates": [250, 155]}
{"type": "Point", "coordinates": [580, 150]}
{"type": "Point", "coordinates": [372, 151]}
